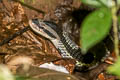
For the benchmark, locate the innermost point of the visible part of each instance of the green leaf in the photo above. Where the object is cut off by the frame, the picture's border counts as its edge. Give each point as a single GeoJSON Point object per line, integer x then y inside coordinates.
{"type": "Point", "coordinates": [95, 27]}
{"type": "Point", "coordinates": [98, 3]}
{"type": "Point", "coordinates": [115, 68]}
{"type": "Point", "coordinates": [5, 73]}
{"type": "Point", "coordinates": [118, 2]}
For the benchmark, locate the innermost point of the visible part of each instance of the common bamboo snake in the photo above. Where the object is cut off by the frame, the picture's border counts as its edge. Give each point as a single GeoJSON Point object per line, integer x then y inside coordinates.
{"type": "Point", "coordinates": [63, 43]}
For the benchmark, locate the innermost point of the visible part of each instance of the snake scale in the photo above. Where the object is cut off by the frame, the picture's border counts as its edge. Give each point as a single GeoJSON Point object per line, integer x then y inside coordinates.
{"type": "Point", "coordinates": [63, 43]}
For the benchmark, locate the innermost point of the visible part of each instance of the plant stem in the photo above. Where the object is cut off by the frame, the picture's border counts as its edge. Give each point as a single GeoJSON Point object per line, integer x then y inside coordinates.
{"type": "Point", "coordinates": [115, 28]}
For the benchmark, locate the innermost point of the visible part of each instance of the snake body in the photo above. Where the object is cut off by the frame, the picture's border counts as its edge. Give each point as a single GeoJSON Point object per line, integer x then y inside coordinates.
{"type": "Point", "coordinates": [62, 41]}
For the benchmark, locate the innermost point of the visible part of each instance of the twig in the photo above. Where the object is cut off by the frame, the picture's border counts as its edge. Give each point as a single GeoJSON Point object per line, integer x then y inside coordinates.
{"type": "Point", "coordinates": [14, 36]}
{"type": "Point", "coordinates": [26, 5]}
{"type": "Point", "coordinates": [1, 53]}
{"type": "Point", "coordinates": [115, 28]}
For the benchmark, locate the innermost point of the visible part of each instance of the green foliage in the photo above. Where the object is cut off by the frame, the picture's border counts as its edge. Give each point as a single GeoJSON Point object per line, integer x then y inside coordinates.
{"type": "Point", "coordinates": [115, 68]}
{"type": "Point", "coordinates": [97, 24]}
{"type": "Point", "coordinates": [22, 1]}
{"type": "Point", "coordinates": [98, 3]}
{"type": "Point", "coordinates": [5, 74]}
{"type": "Point", "coordinates": [19, 78]}
{"type": "Point", "coordinates": [95, 27]}
{"type": "Point", "coordinates": [118, 2]}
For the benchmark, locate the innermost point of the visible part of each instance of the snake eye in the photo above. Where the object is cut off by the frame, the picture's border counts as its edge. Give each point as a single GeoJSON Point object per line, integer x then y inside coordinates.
{"type": "Point", "coordinates": [36, 21]}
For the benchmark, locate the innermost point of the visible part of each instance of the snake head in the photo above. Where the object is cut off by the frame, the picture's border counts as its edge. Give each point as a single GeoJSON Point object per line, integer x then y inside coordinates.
{"type": "Point", "coordinates": [44, 28]}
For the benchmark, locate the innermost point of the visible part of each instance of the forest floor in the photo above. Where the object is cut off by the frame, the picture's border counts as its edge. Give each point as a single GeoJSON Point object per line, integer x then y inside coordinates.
{"type": "Point", "coordinates": [33, 50]}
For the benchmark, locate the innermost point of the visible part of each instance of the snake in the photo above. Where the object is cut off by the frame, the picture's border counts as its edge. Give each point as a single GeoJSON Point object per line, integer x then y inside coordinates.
{"type": "Point", "coordinates": [63, 43]}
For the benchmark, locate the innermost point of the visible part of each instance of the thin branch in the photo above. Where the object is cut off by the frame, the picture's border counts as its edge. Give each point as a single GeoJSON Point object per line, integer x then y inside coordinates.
{"type": "Point", "coordinates": [115, 28]}
{"type": "Point", "coordinates": [14, 36]}
{"type": "Point", "coordinates": [26, 5]}
{"type": "Point", "coordinates": [1, 53]}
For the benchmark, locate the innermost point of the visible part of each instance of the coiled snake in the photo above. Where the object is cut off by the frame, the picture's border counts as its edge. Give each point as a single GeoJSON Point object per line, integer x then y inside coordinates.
{"type": "Point", "coordinates": [63, 43]}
